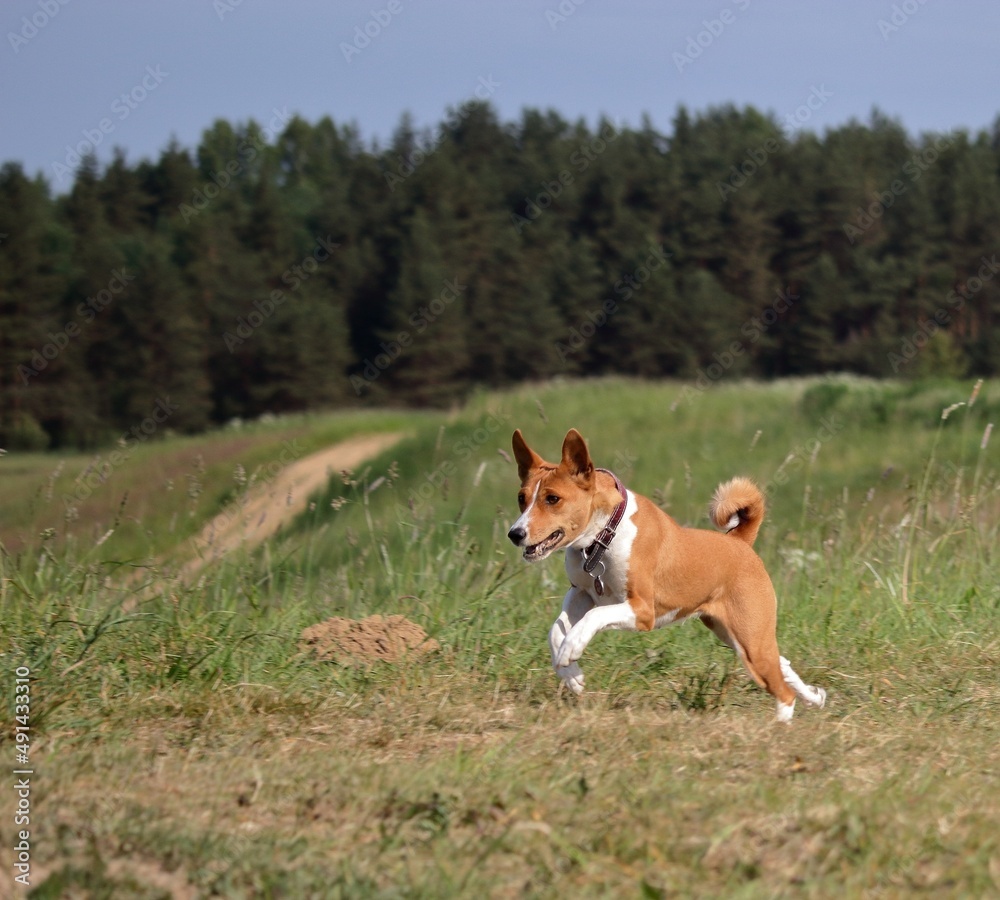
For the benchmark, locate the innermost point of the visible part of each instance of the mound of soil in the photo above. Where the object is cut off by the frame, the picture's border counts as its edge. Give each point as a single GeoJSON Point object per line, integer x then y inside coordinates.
{"type": "Point", "coordinates": [374, 639]}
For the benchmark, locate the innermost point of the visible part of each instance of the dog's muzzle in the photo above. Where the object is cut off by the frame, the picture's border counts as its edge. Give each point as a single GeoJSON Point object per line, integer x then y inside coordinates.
{"type": "Point", "coordinates": [537, 551]}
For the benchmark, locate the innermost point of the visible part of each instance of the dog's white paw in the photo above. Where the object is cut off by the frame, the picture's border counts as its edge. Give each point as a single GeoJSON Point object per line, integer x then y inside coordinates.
{"type": "Point", "coordinates": [572, 676]}
{"type": "Point", "coordinates": [570, 651]}
{"type": "Point", "coordinates": [818, 697]}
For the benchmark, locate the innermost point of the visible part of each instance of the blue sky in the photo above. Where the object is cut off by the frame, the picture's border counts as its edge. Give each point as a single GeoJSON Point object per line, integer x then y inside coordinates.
{"type": "Point", "coordinates": [136, 74]}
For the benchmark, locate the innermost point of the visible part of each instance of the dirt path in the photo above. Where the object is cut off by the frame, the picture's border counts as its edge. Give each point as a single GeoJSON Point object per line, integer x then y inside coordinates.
{"type": "Point", "coordinates": [269, 506]}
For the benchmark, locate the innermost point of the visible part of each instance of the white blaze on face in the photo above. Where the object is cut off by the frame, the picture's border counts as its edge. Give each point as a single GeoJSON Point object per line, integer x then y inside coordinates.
{"type": "Point", "coordinates": [525, 517]}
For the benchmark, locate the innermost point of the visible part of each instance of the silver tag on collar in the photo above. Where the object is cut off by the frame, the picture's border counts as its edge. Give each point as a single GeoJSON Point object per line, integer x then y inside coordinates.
{"type": "Point", "coordinates": [598, 582]}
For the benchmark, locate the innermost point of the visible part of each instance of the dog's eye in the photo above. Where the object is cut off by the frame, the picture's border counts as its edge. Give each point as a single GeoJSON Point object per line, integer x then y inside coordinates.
{"type": "Point", "coordinates": [552, 499]}
{"type": "Point", "coordinates": [520, 499]}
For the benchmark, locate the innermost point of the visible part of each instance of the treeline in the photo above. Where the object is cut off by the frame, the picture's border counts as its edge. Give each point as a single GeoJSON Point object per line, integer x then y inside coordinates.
{"type": "Point", "coordinates": [294, 266]}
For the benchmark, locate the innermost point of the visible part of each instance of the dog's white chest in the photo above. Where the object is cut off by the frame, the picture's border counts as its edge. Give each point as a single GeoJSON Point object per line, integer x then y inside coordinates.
{"type": "Point", "coordinates": [615, 562]}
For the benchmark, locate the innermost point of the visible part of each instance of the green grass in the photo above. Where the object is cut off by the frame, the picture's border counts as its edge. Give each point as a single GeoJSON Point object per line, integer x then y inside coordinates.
{"type": "Point", "coordinates": [155, 494]}
{"type": "Point", "coordinates": [183, 742]}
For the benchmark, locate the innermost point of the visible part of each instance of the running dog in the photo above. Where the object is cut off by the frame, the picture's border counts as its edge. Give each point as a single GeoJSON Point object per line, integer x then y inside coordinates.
{"type": "Point", "coordinates": [632, 567]}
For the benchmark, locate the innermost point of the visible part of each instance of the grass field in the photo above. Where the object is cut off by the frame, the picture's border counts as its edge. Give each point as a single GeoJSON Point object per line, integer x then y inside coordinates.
{"type": "Point", "coordinates": [183, 745]}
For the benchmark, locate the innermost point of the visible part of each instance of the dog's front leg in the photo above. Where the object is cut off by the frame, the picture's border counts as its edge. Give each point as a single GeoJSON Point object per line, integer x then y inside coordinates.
{"type": "Point", "coordinates": [618, 616]}
{"type": "Point", "coordinates": [576, 603]}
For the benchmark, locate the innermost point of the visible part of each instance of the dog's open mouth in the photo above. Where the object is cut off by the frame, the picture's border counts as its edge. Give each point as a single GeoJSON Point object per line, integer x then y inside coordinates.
{"type": "Point", "coordinates": [543, 548]}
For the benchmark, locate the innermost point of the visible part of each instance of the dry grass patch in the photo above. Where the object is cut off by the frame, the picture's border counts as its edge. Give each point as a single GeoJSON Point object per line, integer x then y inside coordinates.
{"type": "Point", "coordinates": [453, 793]}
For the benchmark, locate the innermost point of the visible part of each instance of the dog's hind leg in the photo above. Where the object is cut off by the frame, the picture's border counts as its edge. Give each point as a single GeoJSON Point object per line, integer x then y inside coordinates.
{"type": "Point", "coordinates": [759, 655]}
{"type": "Point", "coordinates": [814, 696]}
{"type": "Point", "coordinates": [576, 604]}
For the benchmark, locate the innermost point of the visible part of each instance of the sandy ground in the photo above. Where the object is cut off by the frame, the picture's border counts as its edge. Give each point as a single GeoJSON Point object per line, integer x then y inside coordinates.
{"type": "Point", "coordinates": [269, 506]}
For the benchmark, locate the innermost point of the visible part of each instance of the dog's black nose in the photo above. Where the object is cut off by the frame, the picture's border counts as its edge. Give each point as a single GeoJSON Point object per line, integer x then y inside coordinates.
{"type": "Point", "coordinates": [516, 535]}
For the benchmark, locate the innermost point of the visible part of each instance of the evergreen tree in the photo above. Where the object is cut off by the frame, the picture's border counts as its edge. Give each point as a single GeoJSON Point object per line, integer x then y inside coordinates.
{"type": "Point", "coordinates": [34, 272]}
{"type": "Point", "coordinates": [267, 272]}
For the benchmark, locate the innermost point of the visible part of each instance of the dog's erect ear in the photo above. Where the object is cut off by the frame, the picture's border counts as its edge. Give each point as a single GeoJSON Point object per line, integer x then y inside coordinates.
{"type": "Point", "coordinates": [576, 456]}
{"type": "Point", "coordinates": [526, 458]}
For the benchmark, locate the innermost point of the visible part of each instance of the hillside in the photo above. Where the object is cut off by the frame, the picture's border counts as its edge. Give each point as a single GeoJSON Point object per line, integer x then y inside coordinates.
{"type": "Point", "coordinates": [187, 743]}
{"type": "Point", "coordinates": [139, 501]}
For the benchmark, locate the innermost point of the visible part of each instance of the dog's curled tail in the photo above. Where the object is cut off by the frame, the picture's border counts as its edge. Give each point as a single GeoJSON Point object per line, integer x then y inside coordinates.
{"type": "Point", "coordinates": [738, 507]}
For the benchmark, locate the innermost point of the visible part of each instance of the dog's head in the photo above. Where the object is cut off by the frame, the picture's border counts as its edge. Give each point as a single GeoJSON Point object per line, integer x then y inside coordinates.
{"type": "Point", "coordinates": [556, 501]}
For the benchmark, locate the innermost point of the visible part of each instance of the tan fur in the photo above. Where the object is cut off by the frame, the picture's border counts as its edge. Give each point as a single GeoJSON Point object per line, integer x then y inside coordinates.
{"type": "Point", "coordinates": [670, 569]}
{"type": "Point", "coordinates": [716, 576]}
